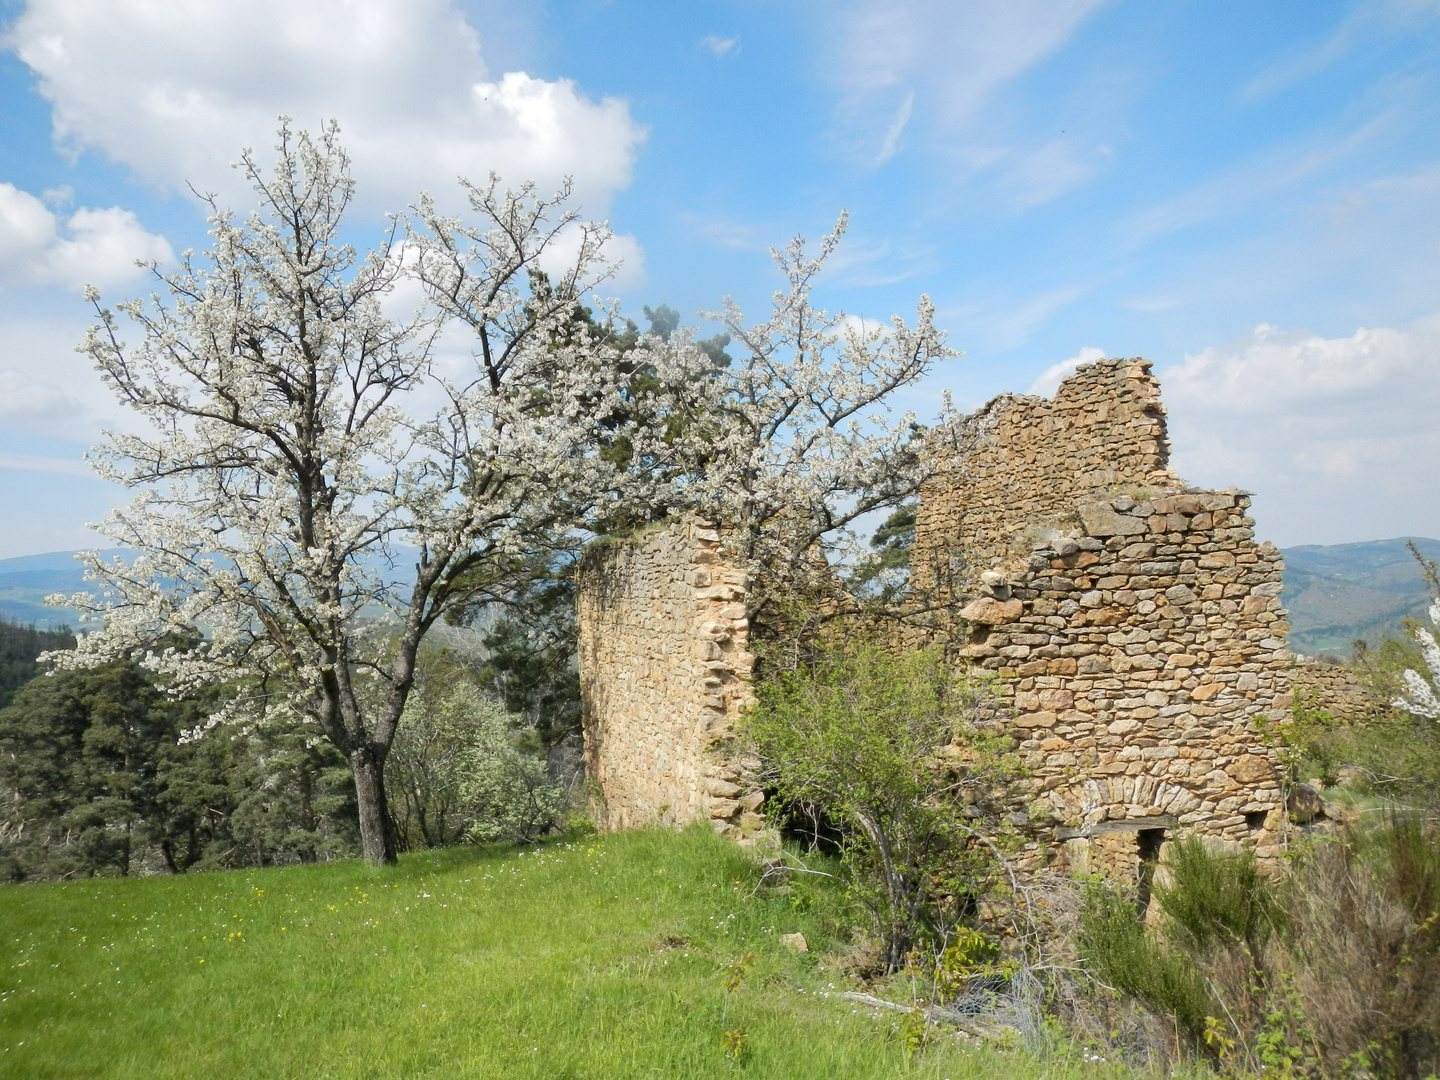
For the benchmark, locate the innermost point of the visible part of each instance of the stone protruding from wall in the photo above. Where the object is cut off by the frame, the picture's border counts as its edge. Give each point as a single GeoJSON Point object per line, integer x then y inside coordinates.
{"type": "Point", "coordinates": [664, 673]}
{"type": "Point", "coordinates": [1135, 623]}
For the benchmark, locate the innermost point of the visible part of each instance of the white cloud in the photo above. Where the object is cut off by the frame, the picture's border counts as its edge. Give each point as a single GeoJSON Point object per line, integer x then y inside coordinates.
{"type": "Point", "coordinates": [33, 463]}
{"type": "Point", "coordinates": [1275, 173]}
{"type": "Point", "coordinates": [1376, 22]}
{"type": "Point", "coordinates": [724, 234]}
{"type": "Point", "coordinates": [890, 145]}
{"type": "Point", "coordinates": [175, 88]}
{"type": "Point", "coordinates": [953, 56]}
{"type": "Point", "coordinates": [1050, 379]}
{"type": "Point", "coordinates": [622, 251]}
{"type": "Point", "coordinates": [998, 322]}
{"type": "Point", "coordinates": [31, 403]}
{"type": "Point", "coordinates": [720, 46]}
{"type": "Point", "coordinates": [1338, 436]}
{"type": "Point", "coordinates": [90, 247]}
{"type": "Point", "coordinates": [1035, 176]}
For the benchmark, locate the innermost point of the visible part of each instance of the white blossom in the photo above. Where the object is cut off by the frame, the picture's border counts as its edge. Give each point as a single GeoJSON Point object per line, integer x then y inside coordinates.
{"type": "Point", "coordinates": [800, 440]}
{"type": "Point", "coordinates": [1419, 698]}
{"type": "Point", "coordinates": [291, 500]}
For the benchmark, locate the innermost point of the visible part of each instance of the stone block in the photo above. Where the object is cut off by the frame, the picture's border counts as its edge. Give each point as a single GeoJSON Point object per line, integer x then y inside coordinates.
{"type": "Point", "coordinates": [1056, 700]}
{"type": "Point", "coordinates": [724, 808]}
{"type": "Point", "coordinates": [989, 611]}
{"type": "Point", "coordinates": [1251, 769]}
{"type": "Point", "coordinates": [1103, 520]}
{"type": "Point", "coordinates": [1179, 504]}
{"type": "Point", "coordinates": [795, 942]}
{"type": "Point", "coordinates": [1035, 720]}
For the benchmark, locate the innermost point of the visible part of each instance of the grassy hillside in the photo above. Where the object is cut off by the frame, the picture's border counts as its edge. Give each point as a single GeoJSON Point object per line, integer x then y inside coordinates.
{"type": "Point", "coordinates": [1338, 593]}
{"type": "Point", "coordinates": [598, 957]}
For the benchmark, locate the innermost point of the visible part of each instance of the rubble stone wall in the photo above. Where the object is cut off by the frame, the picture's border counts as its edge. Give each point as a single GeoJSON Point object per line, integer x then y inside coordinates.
{"type": "Point", "coordinates": [1134, 625]}
{"type": "Point", "coordinates": [1134, 622]}
{"type": "Point", "coordinates": [1320, 684]}
{"type": "Point", "coordinates": [664, 672]}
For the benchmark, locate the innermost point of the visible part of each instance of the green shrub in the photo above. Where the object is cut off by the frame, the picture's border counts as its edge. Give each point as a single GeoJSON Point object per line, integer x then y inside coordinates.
{"type": "Point", "coordinates": [1218, 900]}
{"type": "Point", "coordinates": [461, 770]}
{"type": "Point", "coordinates": [856, 738]}
{"type": "Point", "coordinates": [1330, 972]}
{"type": "Point", "coordinates": [1125, 956]}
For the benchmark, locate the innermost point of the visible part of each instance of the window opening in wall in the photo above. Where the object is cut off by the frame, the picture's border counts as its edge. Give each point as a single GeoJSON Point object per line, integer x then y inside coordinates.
{"type": "Point", "coordinates": [1255, 820]}
{"type": "Point", "coordinates": [1147, 847]}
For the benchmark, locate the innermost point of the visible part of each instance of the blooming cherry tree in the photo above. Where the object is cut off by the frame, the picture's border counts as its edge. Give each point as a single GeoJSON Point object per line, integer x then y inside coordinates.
{"type": "Point", "coordinates": [314, 487]}
{"type": "Point", "coordinates": [1419, 698]}
{"type": "Point", "coordinates": [798, 439]}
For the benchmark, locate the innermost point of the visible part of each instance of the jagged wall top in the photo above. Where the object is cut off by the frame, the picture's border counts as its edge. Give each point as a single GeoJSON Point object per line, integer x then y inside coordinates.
{"type": "Point", "coordinates": [1015, 468]}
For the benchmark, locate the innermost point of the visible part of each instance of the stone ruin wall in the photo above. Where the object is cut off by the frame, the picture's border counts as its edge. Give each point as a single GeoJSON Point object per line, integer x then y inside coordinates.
{"type": "Point", "coordinates": [664, 672]}
{"type": "Point", "coordinates": [1134, 623]}
{"type": "Point", "coordinates": [1331, 686]}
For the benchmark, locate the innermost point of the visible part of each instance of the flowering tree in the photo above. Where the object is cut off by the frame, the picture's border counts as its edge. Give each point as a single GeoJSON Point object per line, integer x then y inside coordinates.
{"type": "Point", "coordinates": [795, 439]}
{"type": "Point", "coordinates": [288, 471]}
{"type": "Point", "coordinates": [1419, 698]}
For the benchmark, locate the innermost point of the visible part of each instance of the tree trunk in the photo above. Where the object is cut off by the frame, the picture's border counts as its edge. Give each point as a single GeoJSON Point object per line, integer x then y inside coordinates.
{"type": "Point", "coordinates": [377, 831]}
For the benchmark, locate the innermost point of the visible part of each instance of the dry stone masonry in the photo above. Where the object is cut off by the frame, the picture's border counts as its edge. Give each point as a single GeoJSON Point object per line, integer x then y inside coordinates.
{"type": "Point", "coordinates": [664, 672]}
{"type": "Point", "coordinates": [1330, 686]}
{"type": "Point", "coordinates": [1133, 624]}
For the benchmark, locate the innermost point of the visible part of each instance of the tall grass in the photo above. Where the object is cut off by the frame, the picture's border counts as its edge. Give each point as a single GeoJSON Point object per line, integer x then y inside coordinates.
{"type": "Point", "coordinates": [1332, 972]}
{"type": "Point", "coordinates": [602, 957]}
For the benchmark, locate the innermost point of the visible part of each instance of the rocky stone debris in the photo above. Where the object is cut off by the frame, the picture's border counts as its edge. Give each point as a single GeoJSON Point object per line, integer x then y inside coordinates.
{"type": "Point", "coordinates": [1304, 804]}
{"type": "Point", "coordinates": [795, 942]}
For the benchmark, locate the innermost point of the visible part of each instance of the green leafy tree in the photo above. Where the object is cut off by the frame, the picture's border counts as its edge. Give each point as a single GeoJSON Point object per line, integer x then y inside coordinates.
{"type": "Point", "coordinates": [506, 792]}
{"type": "Point", "coordinates": [432, 754]}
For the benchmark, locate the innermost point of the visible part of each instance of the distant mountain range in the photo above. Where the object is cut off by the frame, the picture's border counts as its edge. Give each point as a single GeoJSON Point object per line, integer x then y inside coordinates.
{"type": "Point", "coordinates": [1336, 593]}
{"type": "Point", "coordinates": [26, 581]}
{"type": "Point", "coordinates": [1340, 593]}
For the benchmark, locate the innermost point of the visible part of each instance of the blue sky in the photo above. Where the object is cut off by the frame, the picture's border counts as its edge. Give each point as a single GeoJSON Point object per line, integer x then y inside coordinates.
{"type": "Point", "coordinates": [1244, 193]}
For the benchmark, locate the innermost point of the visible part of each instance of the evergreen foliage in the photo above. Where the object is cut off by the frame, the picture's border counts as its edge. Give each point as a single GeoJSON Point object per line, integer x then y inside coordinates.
{"type": "Point", "coordinates": [20, 647]}
{"type": "Point", "coordinates": [97, 779]}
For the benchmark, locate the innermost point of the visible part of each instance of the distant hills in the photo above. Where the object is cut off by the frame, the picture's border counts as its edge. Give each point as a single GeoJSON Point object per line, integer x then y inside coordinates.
{"type": "Point", "coordinates": [26, 581]}
{"type": "Point", "coordinates": [1336, 593]}
{"type": "Point", "coordinates": [1339, 593]}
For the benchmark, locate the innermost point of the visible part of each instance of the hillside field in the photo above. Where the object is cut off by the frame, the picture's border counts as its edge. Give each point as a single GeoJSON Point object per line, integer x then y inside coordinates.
{"type": "Point", "coordinates": [599, 957]}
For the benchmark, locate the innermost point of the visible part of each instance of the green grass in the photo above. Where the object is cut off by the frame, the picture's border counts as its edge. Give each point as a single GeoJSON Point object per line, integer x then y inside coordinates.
{"type": "Point", "coordinates": [598, 957]}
